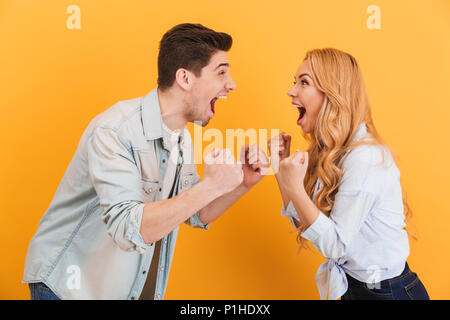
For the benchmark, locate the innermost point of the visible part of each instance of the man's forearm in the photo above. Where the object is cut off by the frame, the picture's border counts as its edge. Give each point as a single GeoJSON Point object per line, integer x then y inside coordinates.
{"type": "Point", "coordinates": [215, 209]}
{"type": "Point", "coordinates": [161, 217]}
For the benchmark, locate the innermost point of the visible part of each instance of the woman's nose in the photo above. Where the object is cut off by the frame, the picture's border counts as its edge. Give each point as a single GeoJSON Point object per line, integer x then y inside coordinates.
{"type": "Point", "coordinates": [292, 92]}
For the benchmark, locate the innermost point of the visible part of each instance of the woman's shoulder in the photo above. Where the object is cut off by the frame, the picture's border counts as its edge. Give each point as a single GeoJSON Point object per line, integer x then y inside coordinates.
{"type": "Point", "coordinates": [369, 155]}
{"type": "Point", "coordinates": [367, 166]}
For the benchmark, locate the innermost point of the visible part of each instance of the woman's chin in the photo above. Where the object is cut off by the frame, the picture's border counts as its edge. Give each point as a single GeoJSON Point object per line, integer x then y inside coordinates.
{"type": "Point", "coordinates": [301, 123]}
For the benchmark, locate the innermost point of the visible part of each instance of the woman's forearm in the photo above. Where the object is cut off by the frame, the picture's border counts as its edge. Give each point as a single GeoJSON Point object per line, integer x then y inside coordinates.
{"type": "Point", "coordinates": [305, 207]}
{"type": "Point", "coordinates": [283, 193]}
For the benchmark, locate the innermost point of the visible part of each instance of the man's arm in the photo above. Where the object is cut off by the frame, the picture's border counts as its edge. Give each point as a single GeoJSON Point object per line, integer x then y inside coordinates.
{"type": "Point", "coordinates": [253, 159]}
{"type": "Point", "coordinates": [217, 207]}
{"type": "Point", "coordinates": [159, 218]}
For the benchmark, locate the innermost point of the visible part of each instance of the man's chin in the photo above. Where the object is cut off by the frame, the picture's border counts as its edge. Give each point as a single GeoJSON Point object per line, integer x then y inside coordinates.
{"type": "Point", "coordinates": [203, 123]}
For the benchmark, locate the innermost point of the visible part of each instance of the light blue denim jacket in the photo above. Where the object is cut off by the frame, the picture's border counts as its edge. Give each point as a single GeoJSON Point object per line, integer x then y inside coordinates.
{"type": "Point", "coordinates": [88, 245]}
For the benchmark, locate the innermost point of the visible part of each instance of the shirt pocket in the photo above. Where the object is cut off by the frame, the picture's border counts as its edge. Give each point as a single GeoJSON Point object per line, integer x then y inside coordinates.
{"type": "Point", "coordinates": [149, 189]}
{"type": "Point", "coordinates": [186, 181]}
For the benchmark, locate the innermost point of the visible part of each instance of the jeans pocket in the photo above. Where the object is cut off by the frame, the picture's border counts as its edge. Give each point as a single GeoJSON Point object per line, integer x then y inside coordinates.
{"type": "Point", "coordinates": [416, 290]}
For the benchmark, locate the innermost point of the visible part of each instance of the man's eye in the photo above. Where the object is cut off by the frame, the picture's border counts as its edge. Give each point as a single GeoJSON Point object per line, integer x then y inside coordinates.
{"type": "Point", "coordinates": [222, 73]}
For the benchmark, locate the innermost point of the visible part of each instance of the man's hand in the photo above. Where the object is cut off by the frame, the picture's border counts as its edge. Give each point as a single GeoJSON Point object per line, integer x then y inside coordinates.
{"type": "Point", "coordinates": [279, 149]}
{"type": "Point", "coordinates": [222, 171]}
{"type": "Point", "coordinates": [255, 164]}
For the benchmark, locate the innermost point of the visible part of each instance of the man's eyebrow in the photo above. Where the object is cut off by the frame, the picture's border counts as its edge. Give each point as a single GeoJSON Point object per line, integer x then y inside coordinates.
{"type": "Point", "coordinates": [222, 65]}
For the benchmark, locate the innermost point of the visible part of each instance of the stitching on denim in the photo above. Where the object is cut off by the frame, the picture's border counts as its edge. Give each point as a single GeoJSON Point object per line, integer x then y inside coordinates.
{"type": "Point", "coordinates": [409, 286]}
{"type": "Point", "coordinates": [402, 277]}
{"type": "Point", "coordinates": [412, 284]}
{"type": "Point", "coordinates": [69, 241]}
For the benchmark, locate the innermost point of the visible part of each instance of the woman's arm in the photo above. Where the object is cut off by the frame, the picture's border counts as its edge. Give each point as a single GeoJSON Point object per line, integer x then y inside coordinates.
{"type": "Point", "coordinates": [279, 149]}
{"type": "Point", "coordinates": [294, 191]}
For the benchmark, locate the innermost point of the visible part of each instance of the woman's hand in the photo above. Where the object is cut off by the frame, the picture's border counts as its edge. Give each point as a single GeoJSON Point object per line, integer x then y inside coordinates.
{"type": "Point", "coordinates": [279, 148]}
{"type": "Point", "coordinates": [292, 171]}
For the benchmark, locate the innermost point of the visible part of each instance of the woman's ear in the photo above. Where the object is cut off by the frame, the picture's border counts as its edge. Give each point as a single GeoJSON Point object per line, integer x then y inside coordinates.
{"type": "Point", "coordinates": [184, 78]}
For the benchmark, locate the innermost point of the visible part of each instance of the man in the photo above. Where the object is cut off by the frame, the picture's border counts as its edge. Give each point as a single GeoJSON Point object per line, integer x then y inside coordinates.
{"type": "Point", "coordinates": [111, 228]}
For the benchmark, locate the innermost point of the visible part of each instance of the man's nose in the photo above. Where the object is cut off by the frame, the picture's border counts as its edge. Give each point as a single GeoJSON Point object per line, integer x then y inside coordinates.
{"type": "Point", "coordinates": [230, 85]}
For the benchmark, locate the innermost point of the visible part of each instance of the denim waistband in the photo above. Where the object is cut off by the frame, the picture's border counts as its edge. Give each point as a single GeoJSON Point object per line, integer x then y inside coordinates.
{"type": "Point", "coordinates": [405, 271]}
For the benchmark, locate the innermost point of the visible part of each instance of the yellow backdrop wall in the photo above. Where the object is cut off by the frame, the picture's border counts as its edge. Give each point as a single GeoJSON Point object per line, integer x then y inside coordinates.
{"type": "Point", "coordinates": [55, 79]}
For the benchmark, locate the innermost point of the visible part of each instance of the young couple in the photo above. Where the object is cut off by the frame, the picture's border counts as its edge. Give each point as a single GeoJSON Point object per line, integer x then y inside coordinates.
{"type": "Point", "coordinates": [111, 228]}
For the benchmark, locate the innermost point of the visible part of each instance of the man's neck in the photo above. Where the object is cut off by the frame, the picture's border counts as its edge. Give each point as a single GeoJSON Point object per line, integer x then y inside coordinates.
{"type": "Point", "coordinates": [172, 108]}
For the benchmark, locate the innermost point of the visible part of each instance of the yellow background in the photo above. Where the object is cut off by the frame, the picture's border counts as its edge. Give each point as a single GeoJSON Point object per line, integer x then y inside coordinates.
{"type": "Point", "coordinates": [54, 81]}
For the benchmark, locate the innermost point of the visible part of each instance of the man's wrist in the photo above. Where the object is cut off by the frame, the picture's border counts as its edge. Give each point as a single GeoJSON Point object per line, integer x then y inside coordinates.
{"type": "Point", "coordinates": [242, 188]}
{"type": "Point", "coordinates": [213, 188]}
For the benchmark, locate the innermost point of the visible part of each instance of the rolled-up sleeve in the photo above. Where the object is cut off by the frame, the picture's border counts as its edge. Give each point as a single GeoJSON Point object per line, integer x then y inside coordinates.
{"type": "Point", "coordinates": [290, 213]}
{"type": "Point", "coordinates": [194, 221]}
{"type": "Point", "coordinates": [117, 182]}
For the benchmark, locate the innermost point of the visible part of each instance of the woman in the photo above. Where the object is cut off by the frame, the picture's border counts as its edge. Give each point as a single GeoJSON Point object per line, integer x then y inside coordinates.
{"type": "Point", "coordinates": [344, 193]}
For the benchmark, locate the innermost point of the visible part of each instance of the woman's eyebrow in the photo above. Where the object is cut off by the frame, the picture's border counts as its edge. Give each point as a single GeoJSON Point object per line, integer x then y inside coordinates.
{"type": "Point", "coordinates": [304, 74]}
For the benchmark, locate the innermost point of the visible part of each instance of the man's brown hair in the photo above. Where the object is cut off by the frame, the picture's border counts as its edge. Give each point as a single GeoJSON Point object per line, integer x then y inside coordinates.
{"type": "Point", "coordinates": [189, 46]}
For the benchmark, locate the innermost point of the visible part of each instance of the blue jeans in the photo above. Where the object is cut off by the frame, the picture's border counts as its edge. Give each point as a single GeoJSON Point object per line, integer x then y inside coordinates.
{"type": "Point", "coordinates": [40, 291]}
{"type": "Point", "coordinates": [406, 286]}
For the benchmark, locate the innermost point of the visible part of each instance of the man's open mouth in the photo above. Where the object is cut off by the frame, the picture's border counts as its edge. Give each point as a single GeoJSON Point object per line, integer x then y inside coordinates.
{"type": "Point", "coordinates": [213, 103]}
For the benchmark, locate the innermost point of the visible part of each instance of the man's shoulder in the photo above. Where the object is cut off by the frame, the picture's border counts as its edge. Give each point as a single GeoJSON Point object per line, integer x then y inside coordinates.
{"type": "Point", "coordinates": [120, 114]}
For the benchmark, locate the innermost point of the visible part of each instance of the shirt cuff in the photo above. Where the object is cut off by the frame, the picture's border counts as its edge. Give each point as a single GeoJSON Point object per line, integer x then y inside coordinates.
{"type": "Point", "coordinates": [133, 234]}
{"type": "Point", "coordinates": [290, 213]}
{"type": "Point", "coordinates": [319, 227]}
{"type": "Point", "coordinates": [195, 222]}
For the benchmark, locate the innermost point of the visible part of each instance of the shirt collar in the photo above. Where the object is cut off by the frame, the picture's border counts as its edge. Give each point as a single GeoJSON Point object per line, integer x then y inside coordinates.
{"type": "Point", "coordinates": [361, 132]}
{"type": "Point", "coordinates": [151, 117]}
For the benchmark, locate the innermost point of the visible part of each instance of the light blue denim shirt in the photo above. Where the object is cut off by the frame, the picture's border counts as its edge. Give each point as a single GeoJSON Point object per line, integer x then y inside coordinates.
{"type": "Point", "coordinates": [88, 245]}
{"type": "Point", "coordinates": [364, 235]}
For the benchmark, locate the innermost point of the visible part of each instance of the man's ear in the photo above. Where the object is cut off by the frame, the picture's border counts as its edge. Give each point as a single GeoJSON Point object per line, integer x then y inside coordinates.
{"type": "Point", "coordinates": [184, 78]}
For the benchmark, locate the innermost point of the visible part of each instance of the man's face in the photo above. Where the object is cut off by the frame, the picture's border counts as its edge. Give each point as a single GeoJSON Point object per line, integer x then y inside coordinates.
{"type": "Point", "coordinates": [214, 82]}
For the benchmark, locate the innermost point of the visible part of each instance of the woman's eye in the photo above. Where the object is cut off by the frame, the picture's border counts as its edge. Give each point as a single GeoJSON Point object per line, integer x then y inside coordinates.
{"type": "Point", "coordinates": [305, 82]}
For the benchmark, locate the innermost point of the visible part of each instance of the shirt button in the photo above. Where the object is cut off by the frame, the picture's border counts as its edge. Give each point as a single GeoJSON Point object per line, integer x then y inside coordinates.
{"type": "Point", "coordinates": [160, 189]}
{"type": "Point", "coordinates": [132, 298]}
{"type": "Point", "coordinates": [159, 296]}
{"type": "Point", "coordinates": [144, 272]}
{"type": "Point", "coordinates": [165, 241]}
{"type": "Point", "coordinates": [162, 268]}
{"type": "Point", "coordinates": [164, 161]}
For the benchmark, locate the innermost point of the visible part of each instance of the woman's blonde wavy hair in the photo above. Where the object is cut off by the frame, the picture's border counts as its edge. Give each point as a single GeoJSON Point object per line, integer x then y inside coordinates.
{"type": "Point", "coordinates": [345, 107]}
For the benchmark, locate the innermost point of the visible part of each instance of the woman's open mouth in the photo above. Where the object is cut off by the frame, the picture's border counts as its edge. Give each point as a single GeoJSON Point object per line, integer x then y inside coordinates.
{"type": "Point", "coordinates": [302, 112]}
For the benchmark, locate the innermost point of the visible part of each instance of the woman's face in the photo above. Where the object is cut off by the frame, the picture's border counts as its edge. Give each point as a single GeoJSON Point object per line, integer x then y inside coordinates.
{"type": "Point", "coordinates": [306, 98]}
